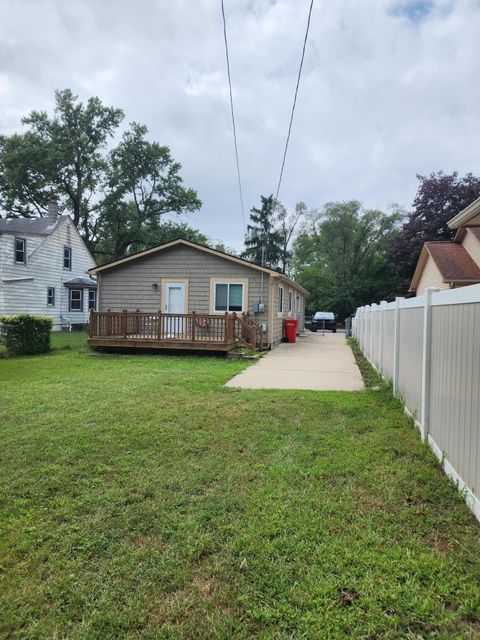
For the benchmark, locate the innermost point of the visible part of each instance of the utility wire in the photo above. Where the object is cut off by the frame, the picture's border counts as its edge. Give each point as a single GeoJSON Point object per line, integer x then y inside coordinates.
{"type": "Point", "coordinates": [233, 117]}
{"type": "Point", "coordinates": [294, 99]}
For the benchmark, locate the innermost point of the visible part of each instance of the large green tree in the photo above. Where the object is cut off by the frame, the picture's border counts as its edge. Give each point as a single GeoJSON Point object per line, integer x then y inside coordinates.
{"type": "Point", "coordinates": [117, 198]}
{"type": "Point", "coordinates": [144, 184]}
{"type": "Point", "coordinates": [62, 154]}
{"type": "Point", "coordinates": [263, 242]}
{"type": "Point", "coordinates": [339, 256]}
{"type": "Point", "coordinates": [286, 226]}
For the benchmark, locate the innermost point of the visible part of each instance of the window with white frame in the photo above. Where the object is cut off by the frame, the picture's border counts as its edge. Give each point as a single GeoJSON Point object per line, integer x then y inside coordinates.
{"type": "Point", "coordinates": [75, 300]}
{"type": "Point", "coordinates": [67, 258]}
{"type": "Point", "coordinates": [228, 296]}
{"type": "Point", "coordinates": [280, 299]}
{"type": "Point", "coordinates": [51, 296]}
{"type": "Point", "coordinates": [290, 301]}
{"type": "Point", "coordinates": [92, 299]}
{"type": "Point", "coordinates": [20, 251]}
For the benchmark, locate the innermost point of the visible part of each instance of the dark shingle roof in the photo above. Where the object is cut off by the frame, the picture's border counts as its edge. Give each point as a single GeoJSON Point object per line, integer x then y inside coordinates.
{"type": "Point", "coordinates": [34, 226]}
{"type": "Point", "coordinates": [453, 261]}
{"type": "Point", "coordinates": [81, 282]}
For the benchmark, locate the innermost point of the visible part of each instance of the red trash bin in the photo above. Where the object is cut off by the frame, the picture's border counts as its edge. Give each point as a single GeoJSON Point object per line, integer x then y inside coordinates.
{"type": "Point", "coordinates": [291, 330]}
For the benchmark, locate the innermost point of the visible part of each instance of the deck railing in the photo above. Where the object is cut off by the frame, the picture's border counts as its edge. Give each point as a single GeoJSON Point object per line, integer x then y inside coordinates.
{"type": "Point", "coordinates": [223, 330]}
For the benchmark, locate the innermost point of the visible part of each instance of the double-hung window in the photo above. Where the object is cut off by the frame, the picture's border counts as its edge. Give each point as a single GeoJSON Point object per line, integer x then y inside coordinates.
{"type": "Point", "coordinates": [92, 299]}
{"type": "Point", "coordinates": [75, 300]}
{"type": "Point", "coordinates": [51, 296]}
{"type": "Point", "coordinates": [67, 258]}
{"type": "Point", "coordinates": [280, 299]}
{"type": "Point", "coordinates": [20, 251]}
{"type": "Point", "coordinates": [228, 296]}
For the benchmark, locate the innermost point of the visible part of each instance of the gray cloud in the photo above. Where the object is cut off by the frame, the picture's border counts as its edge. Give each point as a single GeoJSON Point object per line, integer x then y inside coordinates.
{"type": "Point", "coordinates": [390, 89]}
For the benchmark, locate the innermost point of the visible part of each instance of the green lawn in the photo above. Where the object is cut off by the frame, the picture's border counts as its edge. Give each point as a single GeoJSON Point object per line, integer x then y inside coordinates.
{"type": "Point", "coordinates": [142, 499]}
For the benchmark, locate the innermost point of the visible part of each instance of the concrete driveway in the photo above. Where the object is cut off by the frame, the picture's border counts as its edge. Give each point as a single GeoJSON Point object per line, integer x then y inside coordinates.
{"type": "Point", "coordinates": [315, 361]}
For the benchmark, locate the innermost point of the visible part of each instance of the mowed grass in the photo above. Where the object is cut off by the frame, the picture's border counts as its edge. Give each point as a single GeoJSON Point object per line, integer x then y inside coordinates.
{"type": "Point", "coordinates": [142, 499]}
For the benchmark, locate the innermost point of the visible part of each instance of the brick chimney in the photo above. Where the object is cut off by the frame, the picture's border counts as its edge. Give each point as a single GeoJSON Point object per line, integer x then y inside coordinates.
{"type": "Point", "coordinates": [52, 210]}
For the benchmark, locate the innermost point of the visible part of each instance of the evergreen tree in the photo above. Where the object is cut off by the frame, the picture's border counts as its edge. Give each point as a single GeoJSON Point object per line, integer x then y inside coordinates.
{"type": "Point", "coordinates": [263, 242]}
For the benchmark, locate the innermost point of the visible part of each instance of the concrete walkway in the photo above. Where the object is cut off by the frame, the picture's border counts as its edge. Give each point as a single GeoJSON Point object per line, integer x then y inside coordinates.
{"type": "Point", "coordinates": [315, 361]}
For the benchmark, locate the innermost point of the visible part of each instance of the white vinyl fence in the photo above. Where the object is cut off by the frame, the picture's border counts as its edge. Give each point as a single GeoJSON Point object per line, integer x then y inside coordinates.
{"type": "Point", "coordinates": [429, 347]}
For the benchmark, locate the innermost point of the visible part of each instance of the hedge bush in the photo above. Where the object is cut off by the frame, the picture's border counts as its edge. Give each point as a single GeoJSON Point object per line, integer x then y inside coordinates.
{"type": "Point", "coordinates": [25, 334]}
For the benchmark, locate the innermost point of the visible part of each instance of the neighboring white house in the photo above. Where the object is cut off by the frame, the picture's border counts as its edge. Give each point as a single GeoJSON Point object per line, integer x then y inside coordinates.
{"type": "Point", "coordinates": [44, 267]}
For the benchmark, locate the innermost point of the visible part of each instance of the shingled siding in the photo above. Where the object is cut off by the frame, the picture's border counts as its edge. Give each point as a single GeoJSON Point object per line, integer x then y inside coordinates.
{"type": "Point", "coordinates": [129, 286]}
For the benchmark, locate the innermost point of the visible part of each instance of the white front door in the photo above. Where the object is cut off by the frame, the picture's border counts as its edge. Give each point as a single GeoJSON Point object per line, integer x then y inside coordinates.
{"type": "Point", "coordinates": [174, 297]}
{"type": "Point", "coordinates": [174, 303]}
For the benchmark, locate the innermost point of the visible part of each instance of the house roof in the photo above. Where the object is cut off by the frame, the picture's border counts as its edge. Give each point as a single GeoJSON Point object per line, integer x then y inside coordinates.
{"type": "Point", "coordinates": [81, 283]}
{"type": "Point", "coordinates": [462, 218]}
{"type": "Point", "coordinates": [453, 261]}
{"type": "Point", "coordinates": [200, 247]}
{"type": "Point", "coordinates": [33, 226]}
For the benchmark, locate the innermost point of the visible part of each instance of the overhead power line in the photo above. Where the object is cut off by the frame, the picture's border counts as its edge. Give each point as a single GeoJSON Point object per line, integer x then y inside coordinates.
{"type": "Point", "coordinates": [233, 116]}
{"type": "Point", "coordinates": [294, 99]}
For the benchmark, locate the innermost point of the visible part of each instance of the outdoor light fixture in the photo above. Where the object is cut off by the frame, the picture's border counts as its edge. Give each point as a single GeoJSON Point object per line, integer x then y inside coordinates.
{"type": "Point", "coordinates": [154, 285]}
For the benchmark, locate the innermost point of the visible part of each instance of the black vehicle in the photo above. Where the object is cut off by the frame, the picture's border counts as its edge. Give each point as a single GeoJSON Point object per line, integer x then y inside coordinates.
{"type": "Point", "coordinates": [324, 320]}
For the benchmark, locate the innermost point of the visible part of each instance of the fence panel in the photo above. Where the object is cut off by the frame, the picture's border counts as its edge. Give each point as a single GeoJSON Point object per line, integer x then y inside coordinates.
{"type": "Point", "coordinates": [455, 387]}
{"type": "Point", "coordinates": [410, 369]}
{"type": "Point", "coordinates": [388, 337]}
{"type": "Point", "coordinates": [438, 356]}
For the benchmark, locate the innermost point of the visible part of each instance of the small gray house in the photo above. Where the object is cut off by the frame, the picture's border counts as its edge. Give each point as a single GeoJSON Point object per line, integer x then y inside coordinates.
{"type": "Point", "coordinates": [180, 293]}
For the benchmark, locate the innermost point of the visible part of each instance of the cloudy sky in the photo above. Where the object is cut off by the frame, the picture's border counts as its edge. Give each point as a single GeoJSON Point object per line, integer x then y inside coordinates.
{"type": "Point", "coordinates": [390, 89]}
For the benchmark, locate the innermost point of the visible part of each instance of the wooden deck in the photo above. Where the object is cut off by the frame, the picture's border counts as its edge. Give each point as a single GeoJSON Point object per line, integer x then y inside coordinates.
{"type": "Point", "coordinates": [189, 331]}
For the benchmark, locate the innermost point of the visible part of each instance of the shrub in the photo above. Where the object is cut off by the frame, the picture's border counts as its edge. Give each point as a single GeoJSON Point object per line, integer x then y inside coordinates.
{"type": "Point", "coordinates": [25, 334]}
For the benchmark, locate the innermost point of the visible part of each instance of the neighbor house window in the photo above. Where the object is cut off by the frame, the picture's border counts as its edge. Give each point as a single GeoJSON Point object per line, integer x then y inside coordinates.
{"type": "Point", "coordinates": [75, 300]}
{"type": "Point", "coordinates": [290, 302]}
{"type": "Point", "coordinates": [20, 251]}
{"type": "Point", "coordinates": [51, 296]}
{"type": "Point", "coordinates": [67, 257]}
{"type": "Point", "coordinates": [92, 299]}
{"type": "Point", "coordinates": [280, 300]}
{"type": "Point", "coordinates": [228, 297]}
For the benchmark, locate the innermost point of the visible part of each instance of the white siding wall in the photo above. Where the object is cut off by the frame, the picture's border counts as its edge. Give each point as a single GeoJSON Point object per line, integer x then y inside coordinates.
{"type": "Point", "coordinates": [472, 246]}
{"type": "Point", "coordinates": [431, 277]}
{"type": "Point", "coordinates": [45, 268]}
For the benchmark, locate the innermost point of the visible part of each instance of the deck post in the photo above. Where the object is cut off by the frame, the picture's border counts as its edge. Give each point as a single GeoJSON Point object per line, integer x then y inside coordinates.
{"type": "Point", "coordinates": [193, 326]}
{"type": "Point", "coordinates": [109, 322]}
{"type": "Point", "coordinates": [90, 324]}
{"type": "Point", "coordinates": [159, 324]}
{"type": "Point", "coordinates": [124, 323]}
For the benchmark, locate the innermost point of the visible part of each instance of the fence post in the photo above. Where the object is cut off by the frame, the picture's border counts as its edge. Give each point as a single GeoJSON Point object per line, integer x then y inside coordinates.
{"type": "Point", "coordinates": [396, 345]}
{"type": "Point", "coordinates": [426, 362]}
{"type": "Point", "coordinates": [383, 304]}
{"type": "Point", "coordinates": [372, 327]}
